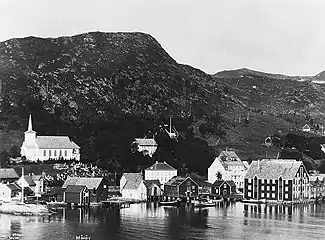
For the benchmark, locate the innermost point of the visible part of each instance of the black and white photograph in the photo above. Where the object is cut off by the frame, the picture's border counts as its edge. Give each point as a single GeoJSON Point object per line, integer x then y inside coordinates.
{"type": "Point", "coordinates": [162, 119]}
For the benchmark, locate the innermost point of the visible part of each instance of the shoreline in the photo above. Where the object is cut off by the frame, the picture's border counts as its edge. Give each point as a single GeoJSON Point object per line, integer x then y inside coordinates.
{"type": "Point", "coordinates": [23, 209]}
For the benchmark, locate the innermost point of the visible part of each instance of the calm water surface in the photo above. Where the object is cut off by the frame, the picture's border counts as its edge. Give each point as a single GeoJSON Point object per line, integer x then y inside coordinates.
{"type": "Point", "coordinates": [148, 221]}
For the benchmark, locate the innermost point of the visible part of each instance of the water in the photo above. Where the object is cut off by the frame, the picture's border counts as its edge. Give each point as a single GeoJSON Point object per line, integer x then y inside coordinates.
{"type": "Point", "coordinates": [148, 221]}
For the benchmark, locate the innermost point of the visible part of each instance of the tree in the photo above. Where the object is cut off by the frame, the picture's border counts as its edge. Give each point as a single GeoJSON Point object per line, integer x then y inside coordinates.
{"type": "Point", "coordinates": [219, 175]}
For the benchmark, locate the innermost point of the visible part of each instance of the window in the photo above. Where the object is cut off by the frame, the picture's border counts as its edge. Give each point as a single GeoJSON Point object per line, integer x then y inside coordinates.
{"type": "Point", "coordinates": [249, 187]}
{"type": "Point", "coordinates": [268, 188]}
{"type": "Point", "coordinates": [50, 153]}
{"type": "Point", "coordinates": [66, 153]}
{"type": "Point", "coordinates": [262, 188]}
{"type": "Point", "coordinates": [54, 153]}
{"type": "Point", "coordinates": [249, 194]}
{"type": "Point", "coordinates": [262, 195]}
{"type": "Point", "coordinates": [273, 195]}
{"type": "Point", "coordinates": [286, 196]}
{"type": "Point", "coordinates": [60, 153]}
{"type": "Point", "coordinates": [273, 188]}
{"type": "Point", "coordinates": [286, 189]}
{"type": "Point", "coordinates": [268, 195]}
{"type": "Point", "coordinates": [44, 153]}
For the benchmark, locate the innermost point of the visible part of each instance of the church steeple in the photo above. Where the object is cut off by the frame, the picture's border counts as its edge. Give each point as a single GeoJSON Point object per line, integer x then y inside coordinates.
{"type": "Point", "coordinates": [30, 125]}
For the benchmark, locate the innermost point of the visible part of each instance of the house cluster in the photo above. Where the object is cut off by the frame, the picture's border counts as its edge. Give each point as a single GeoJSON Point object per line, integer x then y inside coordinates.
{"type": "Point", "coordinates": [161, 180]}
{"type": "Point", "coordinates": [316, 129]}
{"type": "Point", "coordinates": [13, 186]}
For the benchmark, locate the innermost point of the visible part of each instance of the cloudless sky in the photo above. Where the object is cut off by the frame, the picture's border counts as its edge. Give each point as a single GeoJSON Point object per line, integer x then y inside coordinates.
{"type": "Point", "coordinates": [277, 36]}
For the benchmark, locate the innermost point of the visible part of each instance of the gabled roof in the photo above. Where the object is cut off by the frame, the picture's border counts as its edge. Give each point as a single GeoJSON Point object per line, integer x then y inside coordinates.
{"type": "Point", "coordinates": [129, 176]}
{"type": "Point", "coordinates": [90, 182]}
{"type": "Point", "coordinates": [160, 166]}
{"type": "Point", "coordinates": [229, 156]}
{"type": "Point", "coordinates": [14, 187]}
{"type": "Point", "coordinates": [146, 141]}
{"type": "Point", "coordinates": [8, 173]}
{"type": "Point", "coordinates": [273, 169]}
{"type": "Point", "coordinates": [75, 188]}
{"type": "Point", "coordinates": [133, 184]}
{"type": "Point", "coordinates": [219, 183]}
{"type": "Point", "coordinates": [178, 180]}
{"type": "Point", "coordinates": [36, 177]}
{"type": "Point", "coordinates": [306, 126]}
{"type": "Point", "coordinates": [29, 180]}
{"type": "Point", "coordinates": [55, 142]}
{"type": "Point", "coordinates": [149, 183]}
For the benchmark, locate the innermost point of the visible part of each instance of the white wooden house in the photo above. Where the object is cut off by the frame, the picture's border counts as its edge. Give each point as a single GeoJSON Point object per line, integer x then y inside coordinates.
{"type": "Point", "coordinates": [132, 186]}
{"type": "Point", "coordinates": [306, 128]}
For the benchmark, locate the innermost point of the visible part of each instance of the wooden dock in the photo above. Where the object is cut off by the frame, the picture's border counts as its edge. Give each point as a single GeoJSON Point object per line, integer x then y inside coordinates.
{"type": "Point", "coordinates": [117, 203]}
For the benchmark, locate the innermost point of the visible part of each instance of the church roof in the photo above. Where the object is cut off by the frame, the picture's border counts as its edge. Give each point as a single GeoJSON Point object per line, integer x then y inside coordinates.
{"type": "Point", "coordinates": [55, 142]}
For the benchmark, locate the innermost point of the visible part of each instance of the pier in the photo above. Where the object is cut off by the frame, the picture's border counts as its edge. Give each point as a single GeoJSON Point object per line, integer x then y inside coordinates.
{"type": "Point", "coordinates": [117, 203]}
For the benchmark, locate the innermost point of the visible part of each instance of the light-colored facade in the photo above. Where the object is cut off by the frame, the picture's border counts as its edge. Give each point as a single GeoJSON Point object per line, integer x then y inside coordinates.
{"type": "Point", "coordinates": [228, 166]}
{"type": "Point", "coordinates": [5, 192]}
{"type": "Point", "coordinates": [132, 186]}
{"type": "Point", "coordinates": [43, 148]}
{"type": "Point", "coordinates": [161, 171]}
{"type": "Point", "coordinates": [147, 146]}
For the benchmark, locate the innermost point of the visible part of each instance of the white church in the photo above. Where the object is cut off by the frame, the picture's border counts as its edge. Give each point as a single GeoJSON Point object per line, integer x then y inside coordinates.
{"type": "Point", "coordinates": [43, 148]}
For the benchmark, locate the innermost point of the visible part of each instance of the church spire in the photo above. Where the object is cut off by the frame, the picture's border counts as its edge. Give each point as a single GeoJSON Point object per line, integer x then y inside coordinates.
{"type": "Point", "coordinates": [30, 127]}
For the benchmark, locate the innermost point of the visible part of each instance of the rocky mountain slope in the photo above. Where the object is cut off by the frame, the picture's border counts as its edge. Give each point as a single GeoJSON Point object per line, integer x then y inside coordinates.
{"type": "Point", "coordinates": [104, 89]}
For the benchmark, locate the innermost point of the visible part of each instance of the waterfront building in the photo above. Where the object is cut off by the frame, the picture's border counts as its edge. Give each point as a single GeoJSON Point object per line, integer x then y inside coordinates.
{"type": "Point", "coordinates": [317, 186]}
{"type": "Point", "coordinates": [76, 194]}
{"type": "Point", "coordinates": [133, 186]}
{"type": "Point", "coordinates": [8, 175]}
{"type": "Point", "coordinates": [147, 146]}
{"type": "Point", "coordinates": [153, 188]}
{"type": "Point", "coordinates": [228, 166]}
{"type": "Point", "coordinates": [181, 187]}
{"type": "Point", "coordinates": [224, 187]}
{"type": "Point", "coordinates": [277, 180]}
{"type": "Point", "coordinates": [9, 191]}
{"type": "Point", "coordinates": [54, 194]}
{"type": "Point", "coordinates": [96, 186]}
{"type": "Point", "coordinates": [43, 148]}
{"type": "Point", "coordinates": [161, 171]}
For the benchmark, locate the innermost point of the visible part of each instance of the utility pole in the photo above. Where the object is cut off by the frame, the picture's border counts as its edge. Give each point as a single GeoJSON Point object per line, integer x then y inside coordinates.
{"type": "Point", "coordinates": [22, 187]}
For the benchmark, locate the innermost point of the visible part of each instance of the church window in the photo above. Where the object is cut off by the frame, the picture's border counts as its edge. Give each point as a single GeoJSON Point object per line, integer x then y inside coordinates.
{"type": "Point", "coordinates": [44, 153]}
{"type": "Point", "coordinates": [54, 153]}
{"type": "Point", "coordinates": [65, 153]}
{"type": "Point", "coordinates": [60, 153]}
{"type": "Point", "coordinates": [50, 153]}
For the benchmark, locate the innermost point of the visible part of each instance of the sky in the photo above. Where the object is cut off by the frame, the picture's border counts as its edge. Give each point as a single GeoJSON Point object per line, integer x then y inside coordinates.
{"type": "Point", "coordinates": [276, 36]}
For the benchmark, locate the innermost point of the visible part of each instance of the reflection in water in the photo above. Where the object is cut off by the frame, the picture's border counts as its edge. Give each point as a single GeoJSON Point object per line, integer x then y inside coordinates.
{"type": "Point", "coordinates": [149, 221]}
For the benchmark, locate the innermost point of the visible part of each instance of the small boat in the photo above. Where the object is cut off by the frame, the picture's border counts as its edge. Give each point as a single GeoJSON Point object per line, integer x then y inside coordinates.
{"type": "Point", "coordinates": [204, 204]}
{"type": "Point", "coordinates": [254, 201]}
{"type": "Point", "coordinates": [169, 203]}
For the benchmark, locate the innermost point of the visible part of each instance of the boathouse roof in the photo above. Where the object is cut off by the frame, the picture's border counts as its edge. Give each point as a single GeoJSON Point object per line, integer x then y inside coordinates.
{"type": "Point", "coordinates": [90, 182]}
{"type": "Point", "coordinates": [75, 188]}
{"type": "Point", "coordinates": [273, 169]}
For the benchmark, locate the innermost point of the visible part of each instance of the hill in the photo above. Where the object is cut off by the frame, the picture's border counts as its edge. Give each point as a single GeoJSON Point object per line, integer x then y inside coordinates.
{"type": "Point", "coordinates": [104, 89]}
